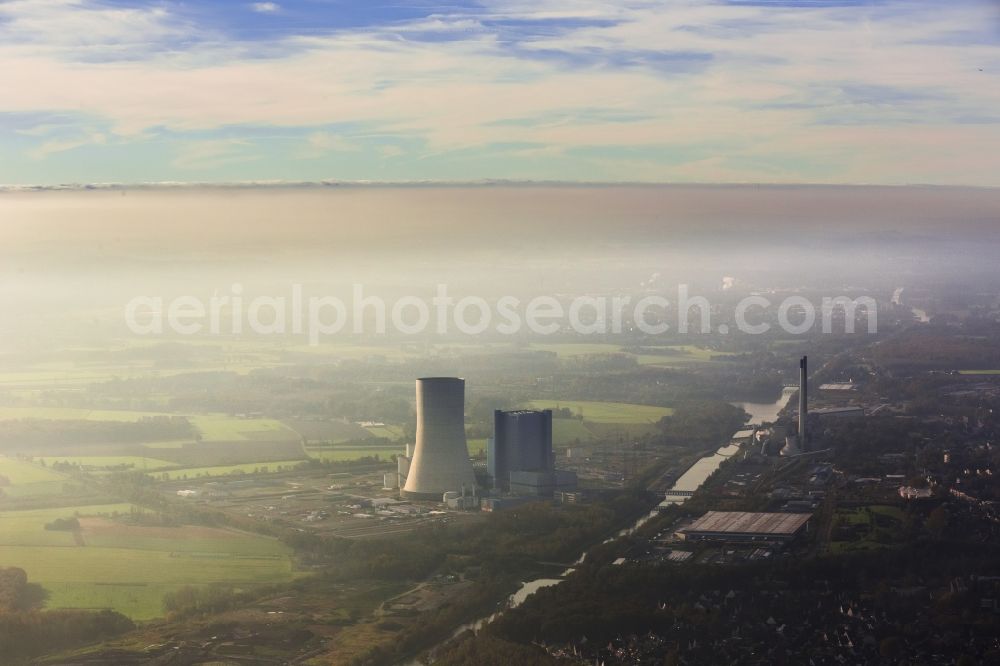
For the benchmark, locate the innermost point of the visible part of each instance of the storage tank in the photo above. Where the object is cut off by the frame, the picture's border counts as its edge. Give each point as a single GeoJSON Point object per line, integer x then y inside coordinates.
{"type": "Point", "coordinates": [402, 469]}
{"type": "Point", "coordinates": [440, 455]}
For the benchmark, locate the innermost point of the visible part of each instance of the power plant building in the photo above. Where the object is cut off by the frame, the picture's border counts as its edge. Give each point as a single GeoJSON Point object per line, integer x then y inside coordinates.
{"type": "Point", "coordinates": [440, 461]}
{"type": "Point", "coordinates": [521, 442]}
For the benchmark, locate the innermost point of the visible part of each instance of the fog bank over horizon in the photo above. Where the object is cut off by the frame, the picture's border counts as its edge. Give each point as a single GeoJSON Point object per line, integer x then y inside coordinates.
{"type": "Point", "coordinates": [233, 220]}
{"type": "Point", "coordinates": [79, 249]}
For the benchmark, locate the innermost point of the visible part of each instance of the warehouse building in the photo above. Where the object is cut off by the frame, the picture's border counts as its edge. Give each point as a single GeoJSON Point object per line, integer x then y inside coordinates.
{"type": "Point", "coordinates": [741, 526]}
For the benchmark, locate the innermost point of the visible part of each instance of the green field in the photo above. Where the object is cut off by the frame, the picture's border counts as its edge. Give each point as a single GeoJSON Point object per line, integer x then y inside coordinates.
{"type": "Point", "coordinates": [568, 349]}
{"type": "Point", "coordinates": [672, 354]}
{"type": "Point", "coordinates": [25, 479]}
{"type": "Point", "coordinates": [883, 527]}
{"type": "Point", "coordinates": [21, 472]}
{"type": "Point", "coordinates": [233, 356]}
{"type": "Point", "coordinates": [223, 428]}
{"type": "Point", "coordinates": [129, 568]}
{"type": "Point", "coordinates": [137, 462]}
{"type": "Point", "coordinates": [70, 414]}
{"type": "Point", "coordinates": [679, 355]}
{"type": "Point", "coordinates": [568, 431]}
{"type": "Point", "coordinates": [355, 453]}
{"type": "Point", "coordinates": [477, 446]}
{"type": "Point", "coordinates": [26, 528]}
{"type": "Point", "coordinates": [607, 412]}
{"type": "Point", "coordinates": [225, 470]}
{"type": "Point", "coordinates": [213, 427]}
{"type": "Point", "coordinates": [386, 431]}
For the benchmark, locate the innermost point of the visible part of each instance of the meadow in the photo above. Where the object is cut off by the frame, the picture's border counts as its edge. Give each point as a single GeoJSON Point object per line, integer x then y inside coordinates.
{"type": "Point", "coordinates": [387, 431]}
{"type": "Point", "coordinates": [212, 427]}
{"type": "Point", "coordinates": [337, 454]}
{"type": "Point", "coordinates": [24, 479]}
{"type": "Point", "coordinates": [666, 356]}
{"type": "Point", "coordinates": [109, 564]}
{"type": "Point", "coordinates": [606, 412]}
{"type": "Point", "coordinates": [226, 470]}
{"type": "Point", "coordinates": [224, 428]}
{"type": "Point", "coordinates": [141, 463]}
{"type": "Point", "coordinates": [883, 525]}
{"type": "Point", "coordinates": [71, 414]}
{"type": "Point", "coordinates": [568, 431]}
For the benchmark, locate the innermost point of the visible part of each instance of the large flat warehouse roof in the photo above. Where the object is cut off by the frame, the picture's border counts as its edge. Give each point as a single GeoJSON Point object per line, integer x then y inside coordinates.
{"type": "Point", "coordinates": [744, 523]}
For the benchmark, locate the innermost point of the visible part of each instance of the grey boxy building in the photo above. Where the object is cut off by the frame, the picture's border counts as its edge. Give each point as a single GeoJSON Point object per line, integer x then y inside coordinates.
{"type": "Point", "coordinates": [521, 442]}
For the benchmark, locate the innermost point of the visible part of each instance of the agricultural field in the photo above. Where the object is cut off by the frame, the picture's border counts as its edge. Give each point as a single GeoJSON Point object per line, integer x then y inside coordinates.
{"type": "Point", "coordinates": [358, 352]}
{"type": "Point", "coordinates": [607, 412]}
{"type": "Point", "coordinates": [329, 430]}
{"type": "Point", "coordinates": [96, 463]}
{"type": "Point", "coordinates": [569, 349]}
{"type": "Point", "coordinates": [223, 428]}
{"type": "Point", "coordinates": [70, 414]}
{"type": "Point", "coordinates": [226, 470]}
{"type": "Point", "coordinates": [387, 431]}
{"type": "Point", "coordinates": [51, 376]}
{"type": "Point", "coordinates": [339, 454]}
{"type": "Point", "coordinates": [24, 479]}
{"type": "Point", "coordinates": [110, 564]}
{"type": "Point", "coordinates": [666, 356]}
{"type": "Point", "coordinates": [678, 355]}
{"type": "Point", "coordinates": [569, 431]}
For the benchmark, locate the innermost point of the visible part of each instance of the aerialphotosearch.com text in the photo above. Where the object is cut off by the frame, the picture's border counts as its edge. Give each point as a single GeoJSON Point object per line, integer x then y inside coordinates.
{"type": "Point", "coordinates": [319, 317]}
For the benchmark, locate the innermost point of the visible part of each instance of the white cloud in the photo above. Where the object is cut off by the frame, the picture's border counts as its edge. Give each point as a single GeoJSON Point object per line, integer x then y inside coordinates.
{"type": "Point", "coordinates": [319, 144]}
{"type": "Point", "coordinates": [82, 30]}
{"type": "Point", "coordinates": [265, 7]}
{"type": "Point", "coordinates": [53, 146]}
{"type": "Point", "coordinates": [756, 96]}
{"type": "Point", "coordinates": [213, 153]}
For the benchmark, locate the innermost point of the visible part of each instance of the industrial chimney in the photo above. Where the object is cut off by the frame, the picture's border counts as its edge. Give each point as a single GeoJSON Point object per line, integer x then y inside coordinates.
{"type": "Point", "coordinates": [803, 401]}
{"type": "Point", "coordinates": [440, 460]}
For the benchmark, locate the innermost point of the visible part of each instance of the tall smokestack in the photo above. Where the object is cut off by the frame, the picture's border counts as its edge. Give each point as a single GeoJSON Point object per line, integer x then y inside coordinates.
{"type": "Point", "coordinates": [803, 399]}
{"type": "Point", "coordinates": [440, 460]}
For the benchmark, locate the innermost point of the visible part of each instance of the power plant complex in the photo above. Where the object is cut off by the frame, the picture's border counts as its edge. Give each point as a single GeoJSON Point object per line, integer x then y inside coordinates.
{"type": "Point", "coordinates": [520, 459]}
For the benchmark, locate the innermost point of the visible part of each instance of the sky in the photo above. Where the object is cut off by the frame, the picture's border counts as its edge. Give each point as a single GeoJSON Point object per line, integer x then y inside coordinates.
{"type": "Point", "coordinates": [683, 91]}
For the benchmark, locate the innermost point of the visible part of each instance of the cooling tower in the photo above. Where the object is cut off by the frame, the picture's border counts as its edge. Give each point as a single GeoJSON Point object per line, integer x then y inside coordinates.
{"type": "Point", "coordinates": [440, 460]}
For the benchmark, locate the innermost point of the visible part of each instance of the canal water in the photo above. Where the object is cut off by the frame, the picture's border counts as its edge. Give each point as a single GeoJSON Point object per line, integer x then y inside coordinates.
{"type": "Point", "coordinates": [767, 412]}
